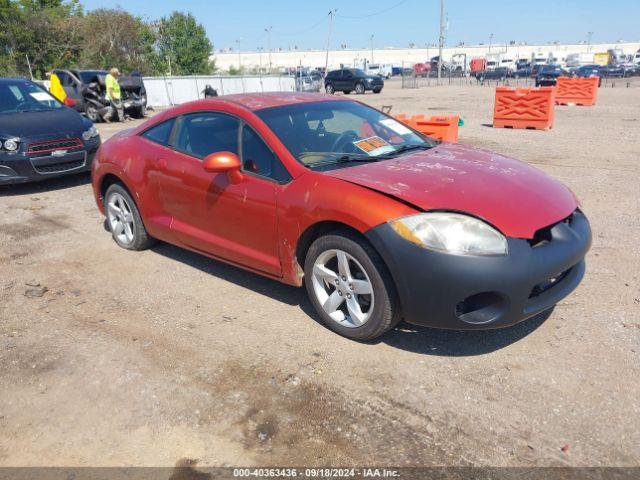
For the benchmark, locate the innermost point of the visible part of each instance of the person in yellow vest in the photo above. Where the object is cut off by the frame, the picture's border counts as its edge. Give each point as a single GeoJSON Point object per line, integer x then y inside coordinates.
{"type": "Point", "coordinates": [114, 96]}
{"type": "Point", "coordinates": [55, 87]}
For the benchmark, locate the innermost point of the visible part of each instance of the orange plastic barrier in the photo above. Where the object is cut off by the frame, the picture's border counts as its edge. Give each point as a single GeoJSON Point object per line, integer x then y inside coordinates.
{"type": "Point", "coordinates": [440, 127]}
{"type": "Point", "coordinates": [531, 108]}
{"type": "Point", "coordinates": [577, 91]}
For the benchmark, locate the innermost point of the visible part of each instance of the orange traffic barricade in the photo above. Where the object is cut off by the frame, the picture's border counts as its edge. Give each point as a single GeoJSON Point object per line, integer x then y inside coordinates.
{"type": "Point", "coordinates": [439, 127]}
{"type": "Point", "coordinates": [577, 91]}
{"type": "Point", "coordinates": [531, 108]}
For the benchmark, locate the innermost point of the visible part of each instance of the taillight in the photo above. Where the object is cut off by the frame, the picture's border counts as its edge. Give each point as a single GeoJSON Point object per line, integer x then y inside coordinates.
{"type": "Point", "coordinates": [70, 102]}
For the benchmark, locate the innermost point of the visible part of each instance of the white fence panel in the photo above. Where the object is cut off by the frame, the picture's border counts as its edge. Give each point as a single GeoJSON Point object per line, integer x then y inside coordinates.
{"type": "Point", "coordinates": [164, 91]}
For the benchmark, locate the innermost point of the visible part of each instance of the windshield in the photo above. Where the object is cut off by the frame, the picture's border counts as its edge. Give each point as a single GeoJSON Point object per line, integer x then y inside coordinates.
{"type": "Point", "coordinates": [24, 96]}
{"type": "Point", "coordinates": [320, 133]}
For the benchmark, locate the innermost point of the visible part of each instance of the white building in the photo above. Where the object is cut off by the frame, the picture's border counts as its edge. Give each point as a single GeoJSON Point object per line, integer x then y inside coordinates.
{"type": "Point", "coordinates": [396, 56]}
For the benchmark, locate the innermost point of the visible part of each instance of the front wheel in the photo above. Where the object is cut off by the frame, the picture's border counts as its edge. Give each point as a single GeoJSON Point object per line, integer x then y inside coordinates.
{"type": "Point", "coordinates": [330, 89]}
{"type": "Point", "coordinates": [360, 88]}
{"type": "Point", "coordinates": [92, 113]}
{"type": "Point", "coordinates": [350, 287]}
{"type": "Point", "coordinates": [124, 220]}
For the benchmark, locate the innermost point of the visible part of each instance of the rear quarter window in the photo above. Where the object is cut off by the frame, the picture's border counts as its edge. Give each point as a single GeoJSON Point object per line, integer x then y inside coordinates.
{"type": "Point", "coordinates": [161, 132]}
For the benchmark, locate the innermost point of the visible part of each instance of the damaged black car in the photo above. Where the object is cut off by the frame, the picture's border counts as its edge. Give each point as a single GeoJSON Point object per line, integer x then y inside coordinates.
{"type": "Point", "coordinates": [87, 88]}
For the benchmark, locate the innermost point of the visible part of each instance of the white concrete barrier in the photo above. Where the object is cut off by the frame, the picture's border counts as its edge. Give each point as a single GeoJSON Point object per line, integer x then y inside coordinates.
{"type": "Point", "coordinates": [165, 91]}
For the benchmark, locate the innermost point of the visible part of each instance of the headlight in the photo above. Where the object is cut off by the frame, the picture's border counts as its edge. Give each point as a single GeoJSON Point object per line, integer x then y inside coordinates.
{"type": "Point", "coordinates": [91, 133]}
{"type": "Point", "coordinates": [451, 233]}
{"type": "Point", "coordinates": [11, 145]}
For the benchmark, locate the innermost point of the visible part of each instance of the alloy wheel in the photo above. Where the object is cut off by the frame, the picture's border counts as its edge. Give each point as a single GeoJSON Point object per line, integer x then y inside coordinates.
{"type": "Point", "coordinates": [121, 219]}
{"type": "Point", "coordinates": [343, 288]}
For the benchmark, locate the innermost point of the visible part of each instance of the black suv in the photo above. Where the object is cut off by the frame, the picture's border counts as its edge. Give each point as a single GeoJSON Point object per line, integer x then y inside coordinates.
{"type": "Point", "coordinates": [88, 89]}
{"type": "Point", "coordinates": [349, 79]}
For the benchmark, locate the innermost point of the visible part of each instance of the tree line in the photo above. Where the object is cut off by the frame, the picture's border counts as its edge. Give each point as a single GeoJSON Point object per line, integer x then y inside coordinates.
{"type": "Point", "coordinates": [44, 34]}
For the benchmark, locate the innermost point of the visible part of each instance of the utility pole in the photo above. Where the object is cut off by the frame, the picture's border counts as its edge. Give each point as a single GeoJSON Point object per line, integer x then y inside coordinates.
{"type": "Point", "coordinates": [268, 30]}
{"type": "Point", "coordinates": [441, 41]}
{"type": "Point", "coordinates": [589, 35]}
{"type": "Point", "coordinates": [490, 41]}
{"type": "Point", "coordinates": [239, 58]}
{"type": "Point", "coordinates": [371, 39]}
{"type": "Point", "coordinates": [326, 60]}
{"type": "Point", "coordinates": [29, 65]}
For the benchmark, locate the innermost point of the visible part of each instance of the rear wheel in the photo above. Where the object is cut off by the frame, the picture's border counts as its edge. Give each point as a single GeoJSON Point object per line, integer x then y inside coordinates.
{"type": "Point", "coordinates": [330, 89]}
{"type": "Point", "coordinates": [124, 220]}
{"type": "Point", "coordinates": [360, 88]}
{"type": "Point", "coordinates": [350, 287]}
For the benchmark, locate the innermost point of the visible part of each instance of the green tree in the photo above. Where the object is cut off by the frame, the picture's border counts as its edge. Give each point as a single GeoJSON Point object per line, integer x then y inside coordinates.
{"type": "Point", "coordinates": [183, 45]}
{"type": "Point", "coordinates": [115, 38]}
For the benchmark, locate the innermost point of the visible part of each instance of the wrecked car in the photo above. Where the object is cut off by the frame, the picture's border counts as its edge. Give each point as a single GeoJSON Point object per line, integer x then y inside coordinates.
{"type": "Point", "coordinates": [87, 88]}
{"type": "Point", "coordinates": [379, 222]}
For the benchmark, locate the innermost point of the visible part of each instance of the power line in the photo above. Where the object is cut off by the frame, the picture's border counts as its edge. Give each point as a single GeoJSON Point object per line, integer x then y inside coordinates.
{"type": "Point", "coordinates": [380, 12]}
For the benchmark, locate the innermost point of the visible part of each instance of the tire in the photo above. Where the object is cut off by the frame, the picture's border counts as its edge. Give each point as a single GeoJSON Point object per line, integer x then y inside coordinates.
{"type": "Point", "coordinates": [360, 89]}
{"type": "Point", "coordinates": [330, 89]}
{"type": "Point", "coordinates": [117, 196]}
{"type": "Point", "coordinates": [92, 113]}
{"type": "Point", "coordinates": [140, 112]}
{"type": "Point", "coordinates": [381, 308]}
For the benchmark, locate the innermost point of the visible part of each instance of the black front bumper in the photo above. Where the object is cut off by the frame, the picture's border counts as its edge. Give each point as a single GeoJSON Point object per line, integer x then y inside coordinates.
{"type": "Point", "coordinates": [465, 292]}
{"type": "Point", "coordinates": [30, 167]}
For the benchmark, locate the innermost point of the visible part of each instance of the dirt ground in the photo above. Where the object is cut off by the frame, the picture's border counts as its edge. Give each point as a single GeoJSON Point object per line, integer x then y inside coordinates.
{"type": "Point", "coordinates": [147, 358]}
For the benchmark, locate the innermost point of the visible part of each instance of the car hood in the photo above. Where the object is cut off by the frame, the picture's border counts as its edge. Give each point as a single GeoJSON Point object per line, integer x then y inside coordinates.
{"type": "Point", "coordinates": [510, 195]}
{"type": "Point", "coordinates": [56, 123]}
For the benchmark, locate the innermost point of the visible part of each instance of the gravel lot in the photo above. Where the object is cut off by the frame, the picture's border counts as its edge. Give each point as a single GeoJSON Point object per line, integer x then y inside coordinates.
{"type": "Point", "coordinates": [111, 357]}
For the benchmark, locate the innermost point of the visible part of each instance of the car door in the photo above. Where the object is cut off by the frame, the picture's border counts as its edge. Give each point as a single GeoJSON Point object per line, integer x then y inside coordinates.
{"type": "Point", "coordinates": [348, 80]}
{"type": "Point", "coordinates": [235, 222]}
{"type": "Point", "coordinates": [71, 86]}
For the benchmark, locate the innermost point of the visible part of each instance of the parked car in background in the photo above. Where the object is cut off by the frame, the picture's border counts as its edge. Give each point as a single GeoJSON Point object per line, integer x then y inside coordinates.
{"type": "Point", "coordinates": [499, 73]}
{"type": "Point", "coordinates": [421, 69]}
{"type": "Point", "coordinates": [385, 70]}
{"type": "Point", "coordinates": [40, 138]}
{"type": "Point", "coordinates": [378, 222]}
{"type": "Point", "coordinates": [349, 80]}
{"type": "Point", "coordinates": [613, 71]}
{"type": "Point", "coordinates": [548, 75]}
{"type": "Point", "coordinates": [524, 70]}
{"type": "Point", "coordinates": [586, 71]}
{"type": "Point", "coordinates": [87, 88]}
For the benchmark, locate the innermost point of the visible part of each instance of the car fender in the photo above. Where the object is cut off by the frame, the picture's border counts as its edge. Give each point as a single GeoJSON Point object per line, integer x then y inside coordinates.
{"type": "Point", "coordinates": [314, 198]}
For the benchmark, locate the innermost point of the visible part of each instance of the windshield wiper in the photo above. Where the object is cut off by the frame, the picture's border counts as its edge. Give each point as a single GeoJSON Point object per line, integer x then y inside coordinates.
{"type": "Point", "coordinates": [405, 148]}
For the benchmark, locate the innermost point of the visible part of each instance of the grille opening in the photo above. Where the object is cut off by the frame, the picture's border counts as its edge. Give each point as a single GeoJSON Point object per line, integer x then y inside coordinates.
{"type": "Point", "coordinates": [59, 167]}
{"type": "Point", "coordinates": [482, 307]}
{"type": "Point", "coordinates": [547, 284]}
{"type": "Point", "coordinates": [51, 145]}
{"type": "Point", "coordinates": [543, 236]}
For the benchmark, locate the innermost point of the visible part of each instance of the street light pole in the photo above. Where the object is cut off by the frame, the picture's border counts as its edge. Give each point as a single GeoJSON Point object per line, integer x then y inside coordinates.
{"type": "Point", "coordinates": [239, 58]}
{"type": "Point", "coordinates": [490, 40]}
{"type": "Point", "coordinates": [371, 39]}
{"type": "Point", "coordinates": [589, 35]}
{"type": "Point", "coordinates": [441, 41]}
{"type": "Point", "coordinates": [326, 60]}
{"type": "Point", "coordinates": [268, 30]}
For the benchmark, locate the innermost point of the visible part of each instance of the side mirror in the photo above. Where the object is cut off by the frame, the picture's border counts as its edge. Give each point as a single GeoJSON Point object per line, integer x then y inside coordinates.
{"type": "Point", "coordinates": [224, 162]}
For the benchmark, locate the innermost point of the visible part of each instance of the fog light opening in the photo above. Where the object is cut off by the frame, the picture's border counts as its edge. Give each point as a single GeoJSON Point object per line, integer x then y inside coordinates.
{"type": "Point", "coordinates": [480, 308]}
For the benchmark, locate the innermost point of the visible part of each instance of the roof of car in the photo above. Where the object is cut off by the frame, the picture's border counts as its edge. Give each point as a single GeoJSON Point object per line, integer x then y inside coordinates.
{"type": "Point", "coordinates": [258, 101]}
{"type": "Point", "coordinates": [13, 80]}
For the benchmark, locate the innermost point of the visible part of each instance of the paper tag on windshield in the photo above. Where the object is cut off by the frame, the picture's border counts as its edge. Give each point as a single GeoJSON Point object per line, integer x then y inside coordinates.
{"type": "Point", "coordinates": [396, 126]}
{"type": "Point", "coordinates": [374, 146]}
{"type": "Point", "coordinates": [41, 96]}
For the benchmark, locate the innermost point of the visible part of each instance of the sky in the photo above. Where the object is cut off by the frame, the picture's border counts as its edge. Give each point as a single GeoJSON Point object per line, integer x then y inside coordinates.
{"type": "Point", "coordinates": [397, 23]}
